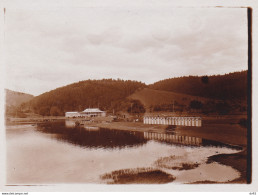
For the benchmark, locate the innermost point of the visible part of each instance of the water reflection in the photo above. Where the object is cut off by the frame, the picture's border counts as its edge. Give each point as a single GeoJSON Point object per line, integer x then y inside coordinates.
{"type": "Point", "coordinates": [127, 157]}
{"type": "Point", "coordinates": [83, 135]}
{"type": "Point", "coordinates": [176, 139]}
{"type": "Point", "coordinates": [73, 124]}
{"type": "Point", "coordinates": [92, 137]}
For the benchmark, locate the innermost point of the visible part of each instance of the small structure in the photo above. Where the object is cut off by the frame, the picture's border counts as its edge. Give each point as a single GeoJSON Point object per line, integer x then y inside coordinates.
{"type": "Point", "coordinates": [72, 114]}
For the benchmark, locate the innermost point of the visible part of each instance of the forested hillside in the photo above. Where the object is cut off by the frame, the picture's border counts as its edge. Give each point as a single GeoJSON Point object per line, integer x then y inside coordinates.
{"type": "Point", "coordinates": [106, 94]}
{"type": "Point", "coordinates": [220, 94]}
{"type": "Point", "coordinates": [224, 87]}
{"type": "Point", "coordinates": [158, 100]}
{"type": "Point", "coordinates": [164, 101]}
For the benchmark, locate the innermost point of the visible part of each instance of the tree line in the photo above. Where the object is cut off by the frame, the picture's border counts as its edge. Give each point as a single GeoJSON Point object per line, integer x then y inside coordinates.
{"type": "Point", "coordinates": [227, 93]}
{"type": "Point", "coordinates": [223, 87]}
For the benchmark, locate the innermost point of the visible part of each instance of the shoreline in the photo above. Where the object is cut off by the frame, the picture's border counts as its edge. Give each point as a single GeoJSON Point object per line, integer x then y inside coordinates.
{"type": "Point", "coordinates": [237, 161]}
{"type": "Point", "coordinates": [231, 134]}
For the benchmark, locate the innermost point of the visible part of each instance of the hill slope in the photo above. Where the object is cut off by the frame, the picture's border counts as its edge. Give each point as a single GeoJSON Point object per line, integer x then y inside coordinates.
{"type": "Point", "coordinates": [13, 102]}
{"type": "Point", "coordinates": [228, 86]}
{"type": "Point", "coordinates": [213, 94]}
{"type": "Point", "coordinates": [105, 94]}
{"type": "Point", "coordinates": [165, 101]}
{"type": "Point", "coordinates": [151, 98]}
{"type": "Point", "coordinates": [14, 98]}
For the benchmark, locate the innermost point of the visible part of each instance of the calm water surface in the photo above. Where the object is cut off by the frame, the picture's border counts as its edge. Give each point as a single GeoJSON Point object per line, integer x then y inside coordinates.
{"type": "Point", "coordinates": [60, 152]}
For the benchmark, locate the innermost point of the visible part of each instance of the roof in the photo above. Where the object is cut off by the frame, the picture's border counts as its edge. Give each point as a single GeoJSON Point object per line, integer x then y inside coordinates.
{"type": "Point", "coordinates": [92, 110]}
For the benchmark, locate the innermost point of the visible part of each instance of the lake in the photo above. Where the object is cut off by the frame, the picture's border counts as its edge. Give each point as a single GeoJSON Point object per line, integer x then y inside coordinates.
{"type": "Point", "coordinates": [61, 152]}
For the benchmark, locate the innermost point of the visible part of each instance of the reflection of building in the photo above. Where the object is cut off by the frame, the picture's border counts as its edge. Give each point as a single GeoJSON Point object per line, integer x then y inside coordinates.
{"type": "Point", "coordinates": [89, 112]}
{"type": "Point", "coordinates": [180, 139]}
{"type": "Point", "coordinates": [81, 124]}
{"type": "Point", "coordinates": [70, 123]}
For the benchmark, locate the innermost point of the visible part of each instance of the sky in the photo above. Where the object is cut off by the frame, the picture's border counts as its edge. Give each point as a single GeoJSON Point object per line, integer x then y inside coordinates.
{"type": "Point", "coordinates": [49, 48]}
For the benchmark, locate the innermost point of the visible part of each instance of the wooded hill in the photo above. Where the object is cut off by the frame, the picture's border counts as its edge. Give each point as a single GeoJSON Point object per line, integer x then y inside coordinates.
{"type": "Point", "coordinates": [223, 87]}
{"type": "Point", "coordinates": [207, 94]}
{"type": "Point", "coordinates": [154, 100]}
{"type": "Point", "coordinates": [106, 94]}
{"type": "Point", "coordinates": [158, 101]}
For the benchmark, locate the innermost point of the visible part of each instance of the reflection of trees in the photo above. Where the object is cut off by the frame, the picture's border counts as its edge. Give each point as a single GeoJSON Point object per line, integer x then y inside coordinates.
{"type": "Point", "coordinates": [103, 138]}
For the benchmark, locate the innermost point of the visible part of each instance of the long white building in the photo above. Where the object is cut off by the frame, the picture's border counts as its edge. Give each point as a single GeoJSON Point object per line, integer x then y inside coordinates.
{"type": "Point", "coordinates": [181, 121]}
{"type": "Point", "coordinates": [89, 112]}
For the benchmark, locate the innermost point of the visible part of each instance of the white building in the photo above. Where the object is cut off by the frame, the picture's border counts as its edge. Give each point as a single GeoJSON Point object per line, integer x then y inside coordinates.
{"type": "Point", "coordinates": [89, 112]}
{"type": "Point", "coordinates": [181, 121]}
{"type": "Point", "coordinates": [93, 112]}
{"type": "Point", "coordinates": [72, 114]}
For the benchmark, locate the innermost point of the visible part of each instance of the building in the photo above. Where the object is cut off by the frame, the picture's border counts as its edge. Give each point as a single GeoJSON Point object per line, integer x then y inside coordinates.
{"type": "Point", "coordinates": [89, 112]}
{"type": "Point", "coordinates": [72, 114]}
{"type": "Point", "coordinates": [93, 112]}
{"type": "Point", "coordinates": [180, 121]}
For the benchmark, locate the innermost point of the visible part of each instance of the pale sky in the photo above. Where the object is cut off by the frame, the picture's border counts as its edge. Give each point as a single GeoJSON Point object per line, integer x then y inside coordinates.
{"type": "Point", "coordinates": [50, 48]}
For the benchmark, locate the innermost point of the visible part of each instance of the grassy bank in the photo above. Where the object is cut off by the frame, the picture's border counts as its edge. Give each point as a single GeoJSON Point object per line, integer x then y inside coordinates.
{"type": "Point", "coordinates": [238, 161]}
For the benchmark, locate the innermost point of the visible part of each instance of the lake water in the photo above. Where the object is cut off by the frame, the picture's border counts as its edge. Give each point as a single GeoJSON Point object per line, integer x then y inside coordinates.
{"type": "Point", "coordinates": [60, 152]}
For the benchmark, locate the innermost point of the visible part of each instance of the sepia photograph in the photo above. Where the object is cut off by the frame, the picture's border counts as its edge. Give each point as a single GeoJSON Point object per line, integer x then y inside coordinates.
{"type": "Point", "coordinates": [128, 95]}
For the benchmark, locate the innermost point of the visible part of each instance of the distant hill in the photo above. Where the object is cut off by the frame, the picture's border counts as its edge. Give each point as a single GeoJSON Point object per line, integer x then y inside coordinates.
{"type": "Point", "coordinates": [224, 87]}
{"type": "Point", "coordinates": [13, 102]}
{"type": "Point", "coordinates": [106, 94]}
{"type": "Point", "coordinates": [14, 98]}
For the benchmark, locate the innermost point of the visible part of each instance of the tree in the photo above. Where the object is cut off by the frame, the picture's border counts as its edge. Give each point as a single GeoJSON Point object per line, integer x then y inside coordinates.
{"type": "Point", "coordinates": [205, 79]}
{"type": "Point", "coordinates": [194, 104]}
{"type": "Point", "coordinates": [223, 108]}
{"type": "Point", "coordinates": [209, 107]}
{"type": "Point", "coordinates": [44, 111]}
{"type": "Point", "coordinates": [55, 111]}
{"type": "Point", "coordinates": [136, 107]}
